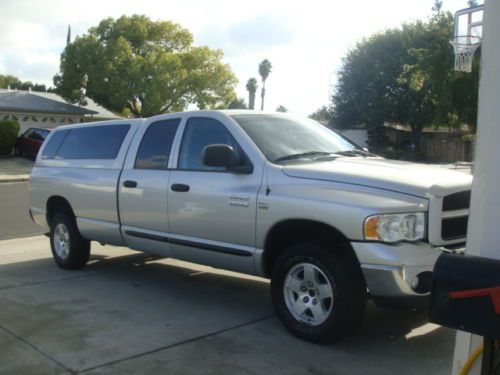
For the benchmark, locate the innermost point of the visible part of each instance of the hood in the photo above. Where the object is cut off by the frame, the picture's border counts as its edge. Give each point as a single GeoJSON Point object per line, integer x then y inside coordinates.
{"type": "Point", "coordinates": [409, 178]}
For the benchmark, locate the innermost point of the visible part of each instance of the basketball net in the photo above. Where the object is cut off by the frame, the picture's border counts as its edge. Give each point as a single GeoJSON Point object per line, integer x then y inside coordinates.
{"type": "Point", "coordinates": [464, 48]}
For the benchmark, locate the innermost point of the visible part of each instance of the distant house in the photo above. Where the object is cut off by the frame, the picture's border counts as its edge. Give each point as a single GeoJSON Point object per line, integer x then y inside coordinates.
{"type": "Point", "coordinates": [47, 110]}
{"type": "Point", "coordinates": [439, 144]}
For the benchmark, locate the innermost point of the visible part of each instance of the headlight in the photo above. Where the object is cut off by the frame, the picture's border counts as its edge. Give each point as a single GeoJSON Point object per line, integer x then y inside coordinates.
{"type": "Point", "coordinates": [395, 227]}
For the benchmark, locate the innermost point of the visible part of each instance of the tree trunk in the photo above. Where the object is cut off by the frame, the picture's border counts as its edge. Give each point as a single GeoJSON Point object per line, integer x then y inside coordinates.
{"type": "Point", "coordinates": [416, 138]}
{"type": "Point", "coordinates": [251, 100]}
{"type": "Point", "coordinates": [262, 95]}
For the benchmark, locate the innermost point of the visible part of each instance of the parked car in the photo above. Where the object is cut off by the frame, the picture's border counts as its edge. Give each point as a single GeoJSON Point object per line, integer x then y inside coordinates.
{"type": "Point", "coordinates": [272, 195]}
{"type": "Point", "coordinates": [29, 143]}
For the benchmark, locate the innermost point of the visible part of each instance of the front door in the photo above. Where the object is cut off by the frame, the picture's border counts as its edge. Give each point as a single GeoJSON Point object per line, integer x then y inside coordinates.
{"type": "Point", "coordinates": [212, 210]}
{"type": "Point", "coordinates": [143, 188]}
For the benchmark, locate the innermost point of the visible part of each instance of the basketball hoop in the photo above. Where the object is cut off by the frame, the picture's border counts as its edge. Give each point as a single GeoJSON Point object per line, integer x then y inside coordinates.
{"type": "Point", "coordinates": [464, 48]}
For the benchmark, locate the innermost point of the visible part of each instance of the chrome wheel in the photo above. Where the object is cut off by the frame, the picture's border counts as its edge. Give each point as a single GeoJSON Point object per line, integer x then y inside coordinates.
{"type": "Point", "coordinates": [308, 294]}
{"type": "Point", "coordinates": [61, 241]}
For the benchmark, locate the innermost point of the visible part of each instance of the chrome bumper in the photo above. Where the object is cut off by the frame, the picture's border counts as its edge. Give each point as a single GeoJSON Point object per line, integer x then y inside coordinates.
{"type": "Point", "coordinates": [398, 270]}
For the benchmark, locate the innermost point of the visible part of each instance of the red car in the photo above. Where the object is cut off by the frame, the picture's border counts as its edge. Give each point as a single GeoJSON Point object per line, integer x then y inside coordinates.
{"type": "Point", "coordinates": [29, 143]}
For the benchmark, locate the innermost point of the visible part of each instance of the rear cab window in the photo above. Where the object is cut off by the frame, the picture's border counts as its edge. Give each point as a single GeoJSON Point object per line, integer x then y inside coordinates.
{"type": "Point", "coordinates": [154, 150]}
{"type": "Point", "coordinates": [88, 142]}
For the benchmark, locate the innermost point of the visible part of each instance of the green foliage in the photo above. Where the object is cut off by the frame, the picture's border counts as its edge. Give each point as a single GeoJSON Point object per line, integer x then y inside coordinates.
{"type": "Point", "coordinates": [9, 129]}
{"type": "Point", "coordinates": [281, 108]}
{"type": "Point", "coordinates": [238, 103]}
{"type": "Point", "coordinates": [264, 69]}
{"type": "Point", "coordinates": [406, 76]}
{"type": "Point", "coordinates": [155, 62]}
{"type": "Point", "coordinates": [16, 84]}
{"type": "Point", "coordinates": [322, 114]}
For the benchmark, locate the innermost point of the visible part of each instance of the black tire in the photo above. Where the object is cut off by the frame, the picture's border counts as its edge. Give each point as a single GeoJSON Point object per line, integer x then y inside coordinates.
{"type": "Point", "coordinates": [78, 248]}
{"type": "Point", "coordinates": [348, 288]}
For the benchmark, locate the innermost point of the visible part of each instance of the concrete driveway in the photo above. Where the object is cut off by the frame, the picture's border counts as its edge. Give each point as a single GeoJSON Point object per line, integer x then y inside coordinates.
{"type": "Point", "coordinates": [127, 313]}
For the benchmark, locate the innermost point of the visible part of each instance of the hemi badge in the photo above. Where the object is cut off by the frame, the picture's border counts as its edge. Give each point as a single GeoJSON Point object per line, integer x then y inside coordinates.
{"type": "Point", "coordinates": [263, 206]}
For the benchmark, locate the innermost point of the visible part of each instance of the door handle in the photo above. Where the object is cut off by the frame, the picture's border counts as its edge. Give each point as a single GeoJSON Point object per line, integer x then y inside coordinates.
{"type": "Point", "coordinates": [130, 184]}
{"type": "Point", "coordinates": [180, 187]}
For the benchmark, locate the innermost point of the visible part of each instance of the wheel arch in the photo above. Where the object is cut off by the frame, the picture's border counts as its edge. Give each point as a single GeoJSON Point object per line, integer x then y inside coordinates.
{"type": "Point", "coordinates": [291, 231]}
{"type": "Point", "coordinates": [57, 203]}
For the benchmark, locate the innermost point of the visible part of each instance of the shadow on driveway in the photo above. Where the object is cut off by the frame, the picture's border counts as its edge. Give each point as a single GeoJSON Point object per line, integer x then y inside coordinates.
{"type": "Point", "coordinates": [130, 313]}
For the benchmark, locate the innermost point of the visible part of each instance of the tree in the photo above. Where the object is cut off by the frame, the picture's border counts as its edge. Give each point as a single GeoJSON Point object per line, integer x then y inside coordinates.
{"type": "Point", "coordinates": [252, 89]}
{"type": "Point", "coordinates": [16, 84]}
{"type": "Point", "coordinates": [264, 71]}
{"type": "Point", "coordinates": [68, 36]}
{"type": "Point", "coordinates": [322, 114]}
{"type": "Point", "coordinates": [238, 103]}
{"type": "Point", "coordinates": [281, 108]}
{"type": "Point", "coordinates": [405, 76]}
{"type": "Point", "coordinates": [145, 67]}
{"type": "Point", "coordinates": [9, 80]}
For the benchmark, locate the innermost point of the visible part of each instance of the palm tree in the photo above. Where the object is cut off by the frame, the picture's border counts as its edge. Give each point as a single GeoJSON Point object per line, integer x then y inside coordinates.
{"type": "Point", "coordinates": [264, 70]}
{"type": "Point", "coordinates": [252, 89]}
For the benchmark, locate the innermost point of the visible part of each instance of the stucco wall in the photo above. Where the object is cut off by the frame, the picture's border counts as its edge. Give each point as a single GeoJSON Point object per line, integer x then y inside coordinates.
{"type": "Point", "coordinates": [40, 120]}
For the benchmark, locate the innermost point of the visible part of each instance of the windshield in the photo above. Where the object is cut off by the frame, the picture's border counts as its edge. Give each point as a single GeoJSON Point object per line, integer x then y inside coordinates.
{"type": "Point", "coordinates": [285, 137]}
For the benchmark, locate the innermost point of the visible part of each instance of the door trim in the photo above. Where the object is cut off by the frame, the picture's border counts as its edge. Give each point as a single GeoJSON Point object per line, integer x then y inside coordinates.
{"type": "Point", "coordinates": [190, 243]}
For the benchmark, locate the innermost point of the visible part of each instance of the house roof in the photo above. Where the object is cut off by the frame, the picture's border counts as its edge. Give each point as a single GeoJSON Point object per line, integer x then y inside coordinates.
{"type": "Point", "coordinates": [429, 129]}
{"type": "Point", "coordinates": [92, 108]}
{"type": "Point", "coordinates": [24, 101]}
{"type": "Point", "coordinates": [101, 112]}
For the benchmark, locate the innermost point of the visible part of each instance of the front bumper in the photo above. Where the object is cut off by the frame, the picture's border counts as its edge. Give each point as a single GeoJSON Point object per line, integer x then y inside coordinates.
{"type": "Point", "coordinates": [398, 270]}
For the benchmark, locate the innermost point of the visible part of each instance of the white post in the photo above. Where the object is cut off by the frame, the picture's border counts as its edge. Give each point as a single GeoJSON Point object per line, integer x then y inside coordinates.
{"type": "Point", "coordinates": [483, 237]}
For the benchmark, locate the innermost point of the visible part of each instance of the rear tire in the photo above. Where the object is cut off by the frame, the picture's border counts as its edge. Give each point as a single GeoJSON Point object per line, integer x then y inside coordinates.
{"type": "Point", "coordinates": [69, 249]}
{"type": "Point", "coordinates": [318, 295]}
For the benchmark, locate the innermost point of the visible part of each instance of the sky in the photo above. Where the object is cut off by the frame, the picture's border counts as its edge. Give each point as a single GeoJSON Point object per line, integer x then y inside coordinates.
{"type": "Point", "coordinates": [304, 40]}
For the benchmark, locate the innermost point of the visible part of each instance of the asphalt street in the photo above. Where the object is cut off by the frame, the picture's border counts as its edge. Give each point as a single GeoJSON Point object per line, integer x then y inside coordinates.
{"type": "Point", "coordinates": [14, 218]}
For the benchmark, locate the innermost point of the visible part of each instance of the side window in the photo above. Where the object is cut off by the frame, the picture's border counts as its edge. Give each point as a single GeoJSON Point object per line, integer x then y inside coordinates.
{"type": "Point", "coordinates": [54, 143]}
{"type": "Point", "coordinates": [156, 143]}
{"type": "Point", "coordinates": [28, 133]}
{"type": "Point", "coordinates": [37, 135]}
{"type": "Point", "coordinates": [93, 142]}
{"type": "Point", "coordinates": [199, 133]}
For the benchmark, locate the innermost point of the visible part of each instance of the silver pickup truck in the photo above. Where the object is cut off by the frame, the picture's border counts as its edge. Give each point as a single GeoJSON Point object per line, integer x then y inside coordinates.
{"type": "Point", "coordinates": [272, 195]}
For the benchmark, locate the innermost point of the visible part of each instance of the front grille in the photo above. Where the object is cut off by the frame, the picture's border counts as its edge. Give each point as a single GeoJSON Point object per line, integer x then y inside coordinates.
{"type": "Point", "coordinates": [457, 201]}
{"type": "Point", "coordinates": [454, 228]}
{"type": "Point", "coordinates": [455, 215]}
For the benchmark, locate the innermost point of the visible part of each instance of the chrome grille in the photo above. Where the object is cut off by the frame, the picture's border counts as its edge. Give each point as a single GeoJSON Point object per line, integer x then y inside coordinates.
{"type": "Point", "coordinates": [455, 214]}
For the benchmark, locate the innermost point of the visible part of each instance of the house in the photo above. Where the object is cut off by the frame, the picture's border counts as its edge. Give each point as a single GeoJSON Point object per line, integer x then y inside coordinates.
{"type": "Point", "coordinates": [47, 110]}
{"type": "Point", "coordinates": [438, 144]}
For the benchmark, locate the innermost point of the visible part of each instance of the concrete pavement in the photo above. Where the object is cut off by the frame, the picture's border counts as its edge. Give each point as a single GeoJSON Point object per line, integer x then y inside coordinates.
{"type": "Point", "coordinates": [128, 313]}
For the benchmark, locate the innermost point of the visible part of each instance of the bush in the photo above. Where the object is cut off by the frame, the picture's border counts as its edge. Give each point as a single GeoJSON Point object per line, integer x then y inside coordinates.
{"type": "Point", "coordinates": [9, 129]}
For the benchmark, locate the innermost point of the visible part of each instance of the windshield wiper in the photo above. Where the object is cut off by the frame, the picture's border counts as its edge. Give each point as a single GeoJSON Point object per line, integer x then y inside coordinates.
{"type": "Point", "coordinates": [303, 154]}
{"type": "Point", "coordinates": [354, 153]}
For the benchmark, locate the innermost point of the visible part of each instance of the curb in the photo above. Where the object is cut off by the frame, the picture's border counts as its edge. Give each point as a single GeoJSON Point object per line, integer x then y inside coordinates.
{"type": "Point", "coordinates": [14, 178]}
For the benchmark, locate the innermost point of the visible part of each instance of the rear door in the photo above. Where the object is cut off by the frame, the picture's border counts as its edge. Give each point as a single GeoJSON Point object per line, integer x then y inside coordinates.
{"type": "Point", "coordinates": [143, 187]}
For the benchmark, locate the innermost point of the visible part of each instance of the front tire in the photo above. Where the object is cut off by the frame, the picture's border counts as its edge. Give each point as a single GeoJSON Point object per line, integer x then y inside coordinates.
{"type": "Point", "coordinates": [318, 295]}
{"type": "Point", "coordinates": [69, 249]}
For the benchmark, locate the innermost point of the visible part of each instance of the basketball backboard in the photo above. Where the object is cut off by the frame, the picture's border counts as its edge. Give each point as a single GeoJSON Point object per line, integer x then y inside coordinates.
{"type": "Point", "coordinates": [469, 22]}
{"type": "Point", "coordinates": [468, 32]}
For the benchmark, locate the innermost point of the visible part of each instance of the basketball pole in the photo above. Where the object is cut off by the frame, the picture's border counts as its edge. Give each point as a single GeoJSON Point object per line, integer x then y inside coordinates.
{"type": "Point", "coordinates": [484, 218]}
